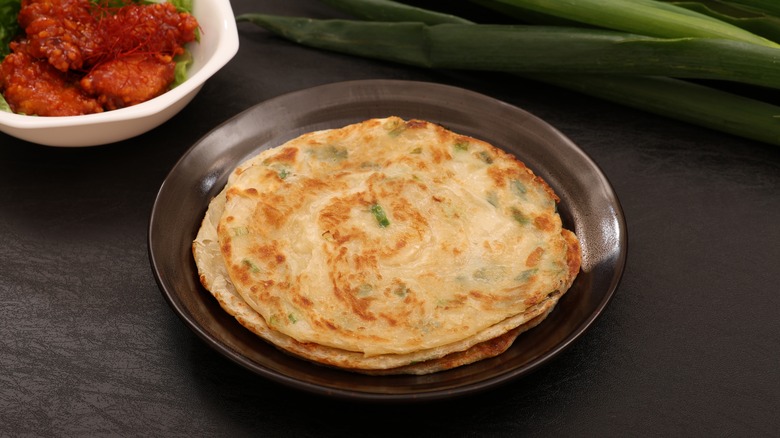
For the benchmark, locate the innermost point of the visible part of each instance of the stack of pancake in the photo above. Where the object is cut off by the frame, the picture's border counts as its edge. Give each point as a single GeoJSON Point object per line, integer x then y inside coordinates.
{"type": "Point", "coordinates": [386, 247]}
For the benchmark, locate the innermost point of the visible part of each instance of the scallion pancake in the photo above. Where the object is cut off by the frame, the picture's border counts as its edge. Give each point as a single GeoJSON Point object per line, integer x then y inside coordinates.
{"type": "Point", "coordinates": [384, 244]}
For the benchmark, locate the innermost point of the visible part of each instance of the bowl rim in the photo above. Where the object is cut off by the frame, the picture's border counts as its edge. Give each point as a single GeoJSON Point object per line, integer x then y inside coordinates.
{"type": "Point", "coordinates": [225, 48]}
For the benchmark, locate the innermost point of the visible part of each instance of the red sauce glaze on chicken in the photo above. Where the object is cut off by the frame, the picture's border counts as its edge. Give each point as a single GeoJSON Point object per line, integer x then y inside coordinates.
{"type": "Point", "coordinates": [34, 86]}
{"type": "Point", "coordinates": [129, 80]}
{"type": "Point", "coordinates": [80, 57]}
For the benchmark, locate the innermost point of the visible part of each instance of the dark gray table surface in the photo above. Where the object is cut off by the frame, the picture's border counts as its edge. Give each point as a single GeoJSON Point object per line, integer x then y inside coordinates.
{"type": "Point", "coordinates": [689, 346]}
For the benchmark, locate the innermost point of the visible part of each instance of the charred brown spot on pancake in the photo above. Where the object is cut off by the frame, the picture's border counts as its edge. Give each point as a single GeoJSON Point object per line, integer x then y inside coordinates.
{"type": "Point", "coordinates": [392, 321]}
{"type": "Point", "coordinates": [457, 300]}
{"type": "Point", "coordinates": [261, 287]}
{"type": "Point", "coordinates": [487, 301]}
{"type": "Point", "coordinates": [534, 299]}
{"type": "Point", "coordinates": [231, 192]}
{"type": "Point", "coordinates": [323, 323]}
{"type": "Point", "coordinates": [251, 191]}
{"type": "Point", "coordinates": [339, 211]}
{"type": "Point", "coordinates": [535, 257]}
{"type": "Point", "coordinates": [242, 274]}
{"type": "Point", "coordinates": [342, 282]}
{"type": "Point", "coordinates": [438, 155]}
{"type": "Point", "coordinates": [369, 138]}
{"type": "Point", "coordinates": [416, 124]}
{"type": "Point", "coordinates": [477, 294]}
{"type": "Point", "coordinates": [300, 300]}
{"type": "Point", "coordinates": [500, 175]}
{"type": "Point", "coordinates": [286, 155]}
{"type": "Point", "coordinates": [358, 306]}
{"type": "Point", "coordinates": [366, 261]}
{"type": "Point", "coordinates": [544, 223]}
{"type": "Point", "coordinates": [404, 211]}
{"type": "Point", "coordinates": [271, 215]}
{"type": "Point", "coordinates": [226, 248]}
{"type": "Point", "coordinates": [204, 281]}
{"type": "Point", "coordinates": [268, 253]}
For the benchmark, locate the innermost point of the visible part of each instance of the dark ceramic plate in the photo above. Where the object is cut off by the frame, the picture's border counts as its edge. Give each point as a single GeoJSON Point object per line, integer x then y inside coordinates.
{"type": "Point", "coordinates": [588, 206]}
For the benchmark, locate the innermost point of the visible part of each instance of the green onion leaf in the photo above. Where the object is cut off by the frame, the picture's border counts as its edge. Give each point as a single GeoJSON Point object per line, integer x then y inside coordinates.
{"type": "Point", "coordinates": [757, 22]}
{"type": "Point", "coordinates": [249, 264]}
{"type": "Point", "coordinates": [679, 99]}
{"type": "Point", "coordinates": [518, 216]}
{"type": "Point", "coordinates": [461, 146]}
{"type": "Point", "coordinates": [534, 49]}
{"type": "Point", "coordinates": [524, 276]}
{"type": "Point", "coordinates": [684, 101]}
{"type": "Point", "coordinates": [384, 10]}
{"type": "Point", "coordinates": [364, 290]}
{"type": "Point", "coordinates": [485, 157]}
{"type": "Point", "coordinates": [329, 153]}
{"type": "Point", "coordinates": [518, 188]}
{"type": "Point", "coordinates": [643, 17]}
{"type": "Point", "coordinates": [768, 6]}
{"type": "Point", "coordinates": [492, 199]}
{"type": "Point", "coordinates": [401, 290]}
{"type": "Point", "coordinates": [379, 214]}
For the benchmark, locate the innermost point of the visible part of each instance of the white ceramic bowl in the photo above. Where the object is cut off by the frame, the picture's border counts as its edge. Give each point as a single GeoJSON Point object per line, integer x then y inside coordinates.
{"type": "Point", "coordinates": [218, 44]}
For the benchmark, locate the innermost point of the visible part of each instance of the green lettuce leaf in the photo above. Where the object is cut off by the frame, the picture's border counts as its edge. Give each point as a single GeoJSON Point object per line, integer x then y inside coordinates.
{"type": "Point", "coordinates": [182, 5]}
{"type": "Point", "coordinates": [9, 27]}
{"type": "Point", "coordinates": [183, 63]}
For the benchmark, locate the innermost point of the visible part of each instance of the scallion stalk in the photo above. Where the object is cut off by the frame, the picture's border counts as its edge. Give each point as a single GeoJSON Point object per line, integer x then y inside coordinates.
{"type": "Point", "coordinates": [757, 22]}
{"type": "Point", "coordinates": [383, 10]}
{"type": "Point", "coordinates": [678, 99]}
{"type": "Point", "coordinates": [533, 49]}
{"type": "Point", "coordinates": [681, 100]}
{"type": "Point", "coordinates": [643, 17]}
{"type": "Point", "coordinates": [769, 6]}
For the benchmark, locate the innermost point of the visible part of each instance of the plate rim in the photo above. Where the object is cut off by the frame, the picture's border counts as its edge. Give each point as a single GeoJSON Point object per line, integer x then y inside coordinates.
{"type": "Point", "coordinates": [351, 394]}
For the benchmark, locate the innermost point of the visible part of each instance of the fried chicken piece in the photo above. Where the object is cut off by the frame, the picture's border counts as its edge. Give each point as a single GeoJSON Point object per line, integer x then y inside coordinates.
{"type": "Point", "coordinates": [155, 27]}
{"type": "Point", "coordinates": [63, 31]}
{"type": "Point", "coordinates": [34, 87]}
{"type": "Point", "coordinates": [129, 80]}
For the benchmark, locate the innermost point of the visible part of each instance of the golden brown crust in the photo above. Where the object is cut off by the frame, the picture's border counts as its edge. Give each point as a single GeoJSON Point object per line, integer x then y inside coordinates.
{"type": "Point", "coordinates": [573, 254]}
